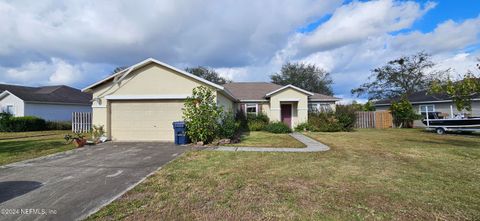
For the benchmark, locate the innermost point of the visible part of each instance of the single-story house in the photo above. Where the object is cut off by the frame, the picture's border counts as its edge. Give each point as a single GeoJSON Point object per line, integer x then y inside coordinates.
{"type": "Point", "coordinates": [423, 101]}
{"type": "Point", "coordinates": [142, 101]}
{"type": "Point", "coordinates": [54, 103]}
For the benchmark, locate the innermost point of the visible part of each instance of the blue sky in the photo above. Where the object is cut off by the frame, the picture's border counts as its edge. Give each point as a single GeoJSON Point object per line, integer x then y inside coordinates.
{"type": "Point", "coordinates": [79, 42]}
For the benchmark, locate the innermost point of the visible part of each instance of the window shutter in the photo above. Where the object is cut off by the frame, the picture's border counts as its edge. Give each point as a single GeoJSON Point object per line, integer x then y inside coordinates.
{"type": "Point", "coordinates": [259, 108]}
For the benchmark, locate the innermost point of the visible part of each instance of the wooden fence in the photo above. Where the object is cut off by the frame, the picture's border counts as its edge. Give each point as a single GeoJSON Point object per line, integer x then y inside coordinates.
{"type": "Point", "coordinates": [374, 119]}
{"type": "Point", "coordinates": [81, 122]}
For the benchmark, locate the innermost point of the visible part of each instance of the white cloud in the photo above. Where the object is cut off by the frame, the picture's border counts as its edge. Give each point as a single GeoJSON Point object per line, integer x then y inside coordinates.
{"type": "Point", "coordinates": [359, 21]}
{"type": "Point", "coordinates": [233, 73]}
{"type": "Point", "coordinates": [54, 72]}
{"type": "Point", "coordinates": [447, 36]}
{"type": "Point", "coordinates": [213, 33]}
{"type": "Point", "coordinates": [460, 63]}
{"type": "Point", "coordinates": [363, 35]}
{"type": "Point", "coordinates": [79, 42]}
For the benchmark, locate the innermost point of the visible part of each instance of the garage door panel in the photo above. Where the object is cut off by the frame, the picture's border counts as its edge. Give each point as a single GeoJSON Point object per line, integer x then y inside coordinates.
{"type": "Point", "coordinates": [144, 120]}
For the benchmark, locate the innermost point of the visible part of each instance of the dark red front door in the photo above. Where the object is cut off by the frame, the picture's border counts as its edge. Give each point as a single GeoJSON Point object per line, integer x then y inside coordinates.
{"type": "Point", "coordinates": [286, 114]}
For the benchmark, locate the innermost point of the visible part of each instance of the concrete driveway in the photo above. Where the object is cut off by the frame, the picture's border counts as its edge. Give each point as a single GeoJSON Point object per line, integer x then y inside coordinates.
{"type": "Point", "coordinates": [72, 185]}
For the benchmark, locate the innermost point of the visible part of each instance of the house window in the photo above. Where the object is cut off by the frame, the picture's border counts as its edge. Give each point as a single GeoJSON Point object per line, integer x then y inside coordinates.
{"type": "Point", "coordinates": [425, 108]}
{"type": "Point", "coordinates": [251, 109]}
{"type": "Point", "coordinates": [9, 108]}
{"type": "Point", "coordinates": [319, 107]}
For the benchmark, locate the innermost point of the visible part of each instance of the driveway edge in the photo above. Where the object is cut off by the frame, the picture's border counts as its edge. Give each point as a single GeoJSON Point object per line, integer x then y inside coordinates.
{"type": "Point", "coordinates": [52, 155]}
{"type": "Point", "coordinates": [96, 209]}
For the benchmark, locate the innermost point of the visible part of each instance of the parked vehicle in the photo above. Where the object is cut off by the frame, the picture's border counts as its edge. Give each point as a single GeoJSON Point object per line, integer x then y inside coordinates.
{"type": "Point", "coordinates": [459, 123]}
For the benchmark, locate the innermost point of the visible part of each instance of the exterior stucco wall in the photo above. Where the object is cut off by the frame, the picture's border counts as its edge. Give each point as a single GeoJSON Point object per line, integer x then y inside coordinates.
{"type": "Point", "coordinates": [54, 112]}
{"type": "Point", "coordinates": [224, 102]}
{"type": "Point", "coordinates": [17, 103]}
{"type": "Point", "coordinates": [99, 116]}
{"type": "Point", "coordinates": [266, 109]}
{"type": "Point", "coordinates": [151, 80]}
{"type": "Point", "coordinates": [300, 113]}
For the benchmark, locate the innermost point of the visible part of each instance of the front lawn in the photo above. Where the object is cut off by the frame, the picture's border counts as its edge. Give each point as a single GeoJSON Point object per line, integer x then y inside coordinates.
{"type": "Point", "coordinates": [266, 139]}
{"type": "Point", "coordinates": [369, 174]}
{"type": "Point", "coordinates": [18, 146]}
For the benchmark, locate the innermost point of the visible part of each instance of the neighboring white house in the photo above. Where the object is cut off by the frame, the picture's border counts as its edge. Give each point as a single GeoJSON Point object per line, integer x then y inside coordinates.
{"type": "Point", "coordinates": [54, 103]}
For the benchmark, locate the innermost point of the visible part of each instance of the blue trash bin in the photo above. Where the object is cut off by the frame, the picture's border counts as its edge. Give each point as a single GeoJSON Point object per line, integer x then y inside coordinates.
{"type": "Point", "coordinates": [180, 134]}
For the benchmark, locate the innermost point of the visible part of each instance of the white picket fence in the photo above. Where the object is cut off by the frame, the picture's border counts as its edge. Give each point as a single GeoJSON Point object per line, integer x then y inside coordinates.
{"type": "Point", "coordinates": [81, 122]}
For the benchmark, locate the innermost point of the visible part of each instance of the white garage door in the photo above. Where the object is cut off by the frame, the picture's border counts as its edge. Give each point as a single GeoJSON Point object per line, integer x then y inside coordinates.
{"type": "Point", "coordinates": [144, 120]}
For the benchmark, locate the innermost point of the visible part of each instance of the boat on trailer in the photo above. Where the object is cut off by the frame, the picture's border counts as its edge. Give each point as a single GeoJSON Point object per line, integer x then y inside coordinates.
{"type": "Point", "coordinates": [459, 123]}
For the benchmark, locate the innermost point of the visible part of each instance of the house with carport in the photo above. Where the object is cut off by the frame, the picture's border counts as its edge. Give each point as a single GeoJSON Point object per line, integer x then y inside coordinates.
{"type": "Point", "coordinates": [141, 102]}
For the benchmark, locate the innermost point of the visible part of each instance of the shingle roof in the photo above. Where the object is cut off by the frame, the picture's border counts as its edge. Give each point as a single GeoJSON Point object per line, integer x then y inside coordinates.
{"type": "Point", "coordinates": [258, 90]}
{"type": "Point", "coordinates": [317, 96]}
{"type": "Point", "coordinates": [48, 94]}
{"type": "Point", "coordinates": [421, 96]}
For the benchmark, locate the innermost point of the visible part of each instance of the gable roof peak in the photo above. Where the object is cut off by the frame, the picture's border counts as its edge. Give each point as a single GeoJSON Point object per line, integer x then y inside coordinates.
{"type": "Point", "coordinates": [289, 86]}
{"type": "Point", "coordinates": [147, 61]}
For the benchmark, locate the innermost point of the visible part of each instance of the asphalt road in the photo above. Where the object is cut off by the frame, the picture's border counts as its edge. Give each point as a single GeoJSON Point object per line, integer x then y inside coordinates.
{"type": "Point", "coordinates": [72, 185]}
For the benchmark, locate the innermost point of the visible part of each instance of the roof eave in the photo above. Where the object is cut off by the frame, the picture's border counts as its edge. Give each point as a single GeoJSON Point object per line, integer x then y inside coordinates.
{"type": "Point", "coordinates": [319, 99]}
{"type": "Point", "coordinates": [152, 60]}
{"type": "Point", "coordinates": [6, 92]}
{"type": "Point", "coordinates": [289, 86]}
{"type": "Point", "coordinates": [426, 102]}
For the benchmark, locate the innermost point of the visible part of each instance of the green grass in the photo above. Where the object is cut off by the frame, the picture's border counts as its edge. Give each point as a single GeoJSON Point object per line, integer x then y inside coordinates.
{"type": "Point", "coordinates": [26, 145]}
{"type": "Point", "coordinates": [266, 139]}
{"type": "Point", "coordinates": [367, 175]}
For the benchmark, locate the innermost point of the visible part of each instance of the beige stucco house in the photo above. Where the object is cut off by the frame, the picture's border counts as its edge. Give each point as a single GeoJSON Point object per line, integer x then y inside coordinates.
{"type": "Point", "coordinates": [142, 101]}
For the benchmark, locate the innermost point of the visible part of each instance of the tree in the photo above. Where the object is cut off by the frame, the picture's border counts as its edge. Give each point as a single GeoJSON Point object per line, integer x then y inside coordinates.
{"type": "Point", "coordinates": [401, 77]}
{"type": "Point", "coordinates": [403, 113]}
{"type": "Point", "coordinates": [306, 76]}
{"type": "Point", "coordinates": [201, 115]}
{"type": "Point", "coordinates": [368, 106]}
{"type": "Point", "coordinates": [208, 74]}
{"type": "Point", "coordinates": [461, 92]}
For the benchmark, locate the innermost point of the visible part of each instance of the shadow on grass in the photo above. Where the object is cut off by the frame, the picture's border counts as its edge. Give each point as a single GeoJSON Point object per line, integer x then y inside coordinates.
{"type": "Point", "coordinates": [12, 189]}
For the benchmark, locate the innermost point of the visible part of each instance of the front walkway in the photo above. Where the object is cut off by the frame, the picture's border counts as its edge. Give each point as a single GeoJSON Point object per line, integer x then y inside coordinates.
{"type": "Point", "coordinates": [312, 146]}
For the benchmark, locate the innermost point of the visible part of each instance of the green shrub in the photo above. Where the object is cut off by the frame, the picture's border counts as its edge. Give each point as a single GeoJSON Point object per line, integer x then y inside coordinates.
{"type": "Point", "coordinates": [345, 114]}
{"type": "Point", "coordinates": [324, 122]}
{"type": "Point", "coordinates": [229, 126]}
{"type": "Point", "coordinates": [278, 128]}
{"type": "Point", "coordinates": [257, 122]}
{"type": "Point", "coordinates": [242, 120]}
{"type": "Point", "coordinates": [5, 119]}
{"type": "Point", "coordinates": [403, 113]}
{"type": "Point", "coordinates": [21, 124]}
{"type": "Point", "coordinates": [58, 125]}
{"type": "Point", "coordinates": [202, 115]}
{"type": "Point", "coordinates": [260, 117]}
{"type": "Point", "coordinates": [97, 132]}
{"type": "Point", "coordinates": [304, 127]}
{"type": "Point", "coordinates": [256, 125]}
